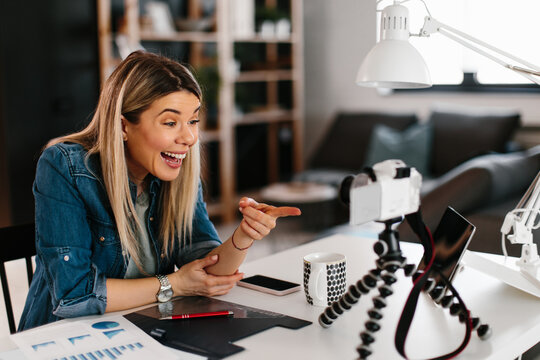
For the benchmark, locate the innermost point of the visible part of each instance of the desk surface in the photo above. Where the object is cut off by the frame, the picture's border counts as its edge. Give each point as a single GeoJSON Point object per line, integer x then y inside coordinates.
{"type": "Point", "coordinates": [513, 315]}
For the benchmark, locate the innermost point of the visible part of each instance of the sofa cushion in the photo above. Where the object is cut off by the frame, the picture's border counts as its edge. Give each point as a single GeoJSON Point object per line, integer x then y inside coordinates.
{"type": "Point", "coordinates": [345, 144]}
{"type": "Point", "coordinates": [510, 174]}
{"type": "Point", "coordinates": [460, 136]}
{"type": "Point", "coordinates": [411, 145]}
{"type": "Point", "coordinates": [484, 181]}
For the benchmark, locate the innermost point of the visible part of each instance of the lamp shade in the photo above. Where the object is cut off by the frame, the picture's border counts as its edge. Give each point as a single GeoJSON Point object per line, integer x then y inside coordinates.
{"type": "Point", "coordinates": [394, 64]}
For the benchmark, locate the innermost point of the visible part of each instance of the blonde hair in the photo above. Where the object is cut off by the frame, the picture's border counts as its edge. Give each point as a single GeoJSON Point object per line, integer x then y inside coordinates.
{"type": "Point", "coordinates": [136, 83]}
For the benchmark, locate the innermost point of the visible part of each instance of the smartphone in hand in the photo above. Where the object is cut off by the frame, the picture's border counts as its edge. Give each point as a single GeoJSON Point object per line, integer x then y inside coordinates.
{"type": "Point", "coordinates": [269, 285]}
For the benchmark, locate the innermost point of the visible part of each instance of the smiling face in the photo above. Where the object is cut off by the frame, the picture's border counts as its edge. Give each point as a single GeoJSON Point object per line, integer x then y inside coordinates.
{"type": "Point", "coordinates": [159, 142]}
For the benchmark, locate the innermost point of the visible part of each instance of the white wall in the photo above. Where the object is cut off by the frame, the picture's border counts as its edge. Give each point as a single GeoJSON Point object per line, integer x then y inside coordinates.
{"type": "Point", "coordinates": [338, 34]}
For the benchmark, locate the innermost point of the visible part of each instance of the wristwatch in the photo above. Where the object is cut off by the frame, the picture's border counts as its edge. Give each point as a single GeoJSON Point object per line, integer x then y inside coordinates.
{"type": "Point", "coordinates": [165, 292]}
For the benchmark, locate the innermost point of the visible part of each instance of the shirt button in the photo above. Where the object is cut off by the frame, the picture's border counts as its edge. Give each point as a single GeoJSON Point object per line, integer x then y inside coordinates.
{"type": "Point", "coordinates": [151, 218]}
{"type": "Point", "coordinates": [162, 255]}
{"type": "Point", "coordinates": [102, 238]}
{"type": "Point", "coordinates": [66, 258]}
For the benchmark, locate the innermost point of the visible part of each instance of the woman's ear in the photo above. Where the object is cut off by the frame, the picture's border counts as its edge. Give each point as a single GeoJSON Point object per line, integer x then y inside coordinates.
{"type": "Point", "coordinates": [125, 123]}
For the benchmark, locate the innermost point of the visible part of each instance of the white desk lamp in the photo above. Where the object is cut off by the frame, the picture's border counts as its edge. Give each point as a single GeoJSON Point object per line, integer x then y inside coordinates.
{"type": "Point", "coordinates": [518, 226]}
{"type": "Point", "coordinates": [394, 63]}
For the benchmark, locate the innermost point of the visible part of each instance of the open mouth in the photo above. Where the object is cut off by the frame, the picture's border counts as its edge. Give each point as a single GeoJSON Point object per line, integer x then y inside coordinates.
{"type": "Point", "coordinates": [172, 158]}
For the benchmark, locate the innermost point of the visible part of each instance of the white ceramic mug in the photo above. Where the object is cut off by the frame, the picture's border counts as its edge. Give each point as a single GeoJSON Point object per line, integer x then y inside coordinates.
{"type": "Point", "coordinates": [324, 277]}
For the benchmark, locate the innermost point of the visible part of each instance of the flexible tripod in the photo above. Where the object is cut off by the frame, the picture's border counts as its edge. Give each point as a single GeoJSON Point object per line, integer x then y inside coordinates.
{"type": "Point", "coordinates": [390, 260]}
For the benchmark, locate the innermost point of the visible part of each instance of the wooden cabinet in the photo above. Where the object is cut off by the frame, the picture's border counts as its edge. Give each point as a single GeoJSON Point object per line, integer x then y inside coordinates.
{"type": "Point", "coordinates": [254, 80]}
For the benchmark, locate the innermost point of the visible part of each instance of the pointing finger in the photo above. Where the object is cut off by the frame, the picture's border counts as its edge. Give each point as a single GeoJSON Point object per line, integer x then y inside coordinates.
{"type": "Point", "coordinates": [284, 211]}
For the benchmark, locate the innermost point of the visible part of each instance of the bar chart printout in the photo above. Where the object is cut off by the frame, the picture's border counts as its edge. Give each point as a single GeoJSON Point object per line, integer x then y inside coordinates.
{"type": "Point", "coordinates": [106, 338]}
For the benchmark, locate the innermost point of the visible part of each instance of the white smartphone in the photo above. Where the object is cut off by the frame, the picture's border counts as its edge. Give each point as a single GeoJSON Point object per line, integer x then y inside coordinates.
{"type": "Point", "coordinates": [269, 285]}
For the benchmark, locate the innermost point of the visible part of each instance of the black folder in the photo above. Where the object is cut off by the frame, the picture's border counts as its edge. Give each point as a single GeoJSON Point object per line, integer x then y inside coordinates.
{"type": "Point", "coordinates": [211, 337]}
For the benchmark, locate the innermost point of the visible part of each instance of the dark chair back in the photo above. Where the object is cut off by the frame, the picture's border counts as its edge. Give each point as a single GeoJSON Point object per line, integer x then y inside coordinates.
{"type": "Point", "coordinates": [16, 242]}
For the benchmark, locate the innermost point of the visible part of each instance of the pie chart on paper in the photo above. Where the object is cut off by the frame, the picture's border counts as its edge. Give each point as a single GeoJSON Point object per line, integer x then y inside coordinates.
{"type": "Point", "coordinates": [102, 325]}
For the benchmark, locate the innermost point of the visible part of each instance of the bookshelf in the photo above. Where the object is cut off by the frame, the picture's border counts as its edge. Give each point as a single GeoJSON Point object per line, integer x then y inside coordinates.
{"type": "Point", "coordinates": [259, 76]}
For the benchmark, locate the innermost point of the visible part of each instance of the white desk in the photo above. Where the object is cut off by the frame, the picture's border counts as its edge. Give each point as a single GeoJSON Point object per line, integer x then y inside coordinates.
{"type": "Point", "coordinates": [513, 315]}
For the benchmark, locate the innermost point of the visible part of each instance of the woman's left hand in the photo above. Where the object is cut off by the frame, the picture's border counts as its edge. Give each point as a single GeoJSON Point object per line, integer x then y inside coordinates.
{"type": "Point", "coordinates": [259, 219]}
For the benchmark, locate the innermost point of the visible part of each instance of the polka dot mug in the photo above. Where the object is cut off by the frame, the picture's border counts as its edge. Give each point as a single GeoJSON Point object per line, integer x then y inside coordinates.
{"type": "Point", "coordinates": [324, 278]}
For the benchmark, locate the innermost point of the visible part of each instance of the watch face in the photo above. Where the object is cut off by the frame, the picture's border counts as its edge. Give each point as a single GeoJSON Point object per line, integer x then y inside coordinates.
{"type": "Point", "coordinates": [165, 295]}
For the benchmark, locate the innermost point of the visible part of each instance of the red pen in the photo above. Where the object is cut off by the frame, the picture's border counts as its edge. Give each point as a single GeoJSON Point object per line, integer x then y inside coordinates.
{"type": "Point", "coordinates": [199, 315]}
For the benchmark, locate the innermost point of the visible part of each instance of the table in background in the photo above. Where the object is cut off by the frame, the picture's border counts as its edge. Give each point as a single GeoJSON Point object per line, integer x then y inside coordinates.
{"type": "Point", "coordinates": [513, 315]}
{"type": "Point", "coordinates": [318, 202]}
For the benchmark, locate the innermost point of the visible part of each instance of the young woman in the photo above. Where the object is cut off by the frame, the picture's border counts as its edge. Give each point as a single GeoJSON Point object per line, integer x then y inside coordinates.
{"type": "Point", "coordinates": [119, 204]}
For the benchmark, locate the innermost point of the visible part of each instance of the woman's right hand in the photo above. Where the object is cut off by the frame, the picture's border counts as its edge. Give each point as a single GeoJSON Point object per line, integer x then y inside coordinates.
{"type": "Point", "coordinates": [192, 279]}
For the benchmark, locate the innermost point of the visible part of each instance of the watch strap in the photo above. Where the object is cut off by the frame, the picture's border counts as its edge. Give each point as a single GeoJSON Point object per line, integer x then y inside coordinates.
{"type": "Point", "coordinates": [165, 292]}
{"type": "Point", "coordinates": [164, 281]}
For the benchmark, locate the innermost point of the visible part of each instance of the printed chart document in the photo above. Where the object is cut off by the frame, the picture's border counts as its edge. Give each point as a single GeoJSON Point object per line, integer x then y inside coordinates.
{"type": "Point", "coordinates": [112, 337]}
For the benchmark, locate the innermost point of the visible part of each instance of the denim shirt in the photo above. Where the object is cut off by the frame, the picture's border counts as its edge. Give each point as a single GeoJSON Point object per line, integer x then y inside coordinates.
{"type": "Point", "coordinates": [77, 243]}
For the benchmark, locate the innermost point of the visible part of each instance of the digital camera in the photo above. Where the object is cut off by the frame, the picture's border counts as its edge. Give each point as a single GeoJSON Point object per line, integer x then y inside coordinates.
{"type": "Point", "coordinates": [387, 190]}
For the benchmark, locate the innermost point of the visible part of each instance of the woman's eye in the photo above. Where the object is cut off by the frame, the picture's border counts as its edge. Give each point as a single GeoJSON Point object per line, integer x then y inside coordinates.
{"type": "Point", "coordinates": [193, 122]}
{"type": "Point", "coordinates": [170, 123]}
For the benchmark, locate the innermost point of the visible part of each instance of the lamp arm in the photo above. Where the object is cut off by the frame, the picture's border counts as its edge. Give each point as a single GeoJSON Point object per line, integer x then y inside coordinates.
{"type": "Point", "coordinates": [531, 203]}
{"type": "Point", "coordinates": [522, 221]}
{"type": "Point", "coordinates": [431, 26]}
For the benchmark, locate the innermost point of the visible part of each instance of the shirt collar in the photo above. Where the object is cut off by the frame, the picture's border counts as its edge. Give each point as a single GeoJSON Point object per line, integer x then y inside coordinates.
{"type": "Point", "coordinates": [153, 187]}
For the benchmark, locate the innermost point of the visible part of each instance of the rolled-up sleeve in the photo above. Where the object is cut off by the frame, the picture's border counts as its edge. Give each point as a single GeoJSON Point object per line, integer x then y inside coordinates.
{"type": "Point", "coordinates": [204, 237]}
{"type": "Point", "coordinates": [64, 241]}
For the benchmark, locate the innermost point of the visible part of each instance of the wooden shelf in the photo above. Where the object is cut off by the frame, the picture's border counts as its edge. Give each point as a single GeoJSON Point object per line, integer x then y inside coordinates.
{"type": "Point", "coordinates": [186, 36]}
{"type": "Point", "coordinates": [270, 116]}
{"type": "Point", "coordinates": [265, 75]}
{"type": "Point", "coordinates": [209, 135]}
{"type": "Point", "coordinates": [214, 208]}
{"type": "Point", "coordinates": [261, 39]}
{"type": "Point", "coordinates": [269, 56]}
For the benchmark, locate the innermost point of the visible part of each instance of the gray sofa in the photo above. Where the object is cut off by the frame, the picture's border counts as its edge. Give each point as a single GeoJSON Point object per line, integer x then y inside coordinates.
{"type": "Point", "coordinates": [483, 189]}
{"type": "Point", "coordinates": [468, 161]}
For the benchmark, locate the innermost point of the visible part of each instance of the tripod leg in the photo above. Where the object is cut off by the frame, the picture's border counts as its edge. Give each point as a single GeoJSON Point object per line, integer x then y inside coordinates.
{"type": "Point", "coordinates": [351, 297]}
{"type": "Point", "coordinates": [482, 330]}
{"type": "Point", "coordinates": [375, 314]}
{"type": "Point", "coordinates": [456, 309]}
{"type": "Point", "coordinates": [389, 261]}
